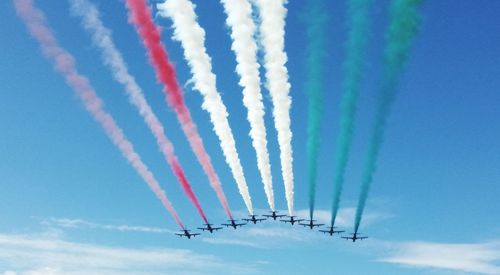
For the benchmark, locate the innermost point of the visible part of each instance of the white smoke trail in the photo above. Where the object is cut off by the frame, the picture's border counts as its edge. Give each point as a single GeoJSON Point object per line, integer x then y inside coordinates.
{"type": "Point", "coordinates": [239, 19]}
{"type": "Point", "coordinates": [192, 37]}
{"type": "Point", "coordinates": [64, 63]}
{"type": "Point", "coordinates": [272, 30]}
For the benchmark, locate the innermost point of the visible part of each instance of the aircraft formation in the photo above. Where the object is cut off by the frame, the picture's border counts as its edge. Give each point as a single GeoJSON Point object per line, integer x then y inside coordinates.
{"type": "Point", "coordinates": [273, 216]}
{"type": "Point", "coordinates": [402, 28]}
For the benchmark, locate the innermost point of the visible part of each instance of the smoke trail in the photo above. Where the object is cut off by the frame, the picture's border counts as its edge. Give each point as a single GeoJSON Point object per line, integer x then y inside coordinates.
{"type": "Point", "coordinates": [64, 63]}
{"type": "Point", "coordinates": [239, 19]}
{"type": "Point", "coordinates": [140, 17]}
{"type": "Point", "coordinates": [403, 27]}
{"type": "Point", "coordinates": [192, 37]}
{"type": "Point", "coordinates": [317, 22]}
{"type": "Point", "coordinates": [272, 29]}
{"type": "Point", "coordinates": [101, 36]}
{"type": "Point", "coordinates": [358, 24]}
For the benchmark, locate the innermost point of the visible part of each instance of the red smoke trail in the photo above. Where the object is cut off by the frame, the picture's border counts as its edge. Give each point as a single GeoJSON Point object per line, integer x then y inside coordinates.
{"type": "Point", "coordinates": [176, 167]}
{"type": "Point", "coordinates": [64, 63]}
{"type": "Point", "coordinates": [113, 59]}
{"type": "Point", "coordinates": [140, 16]}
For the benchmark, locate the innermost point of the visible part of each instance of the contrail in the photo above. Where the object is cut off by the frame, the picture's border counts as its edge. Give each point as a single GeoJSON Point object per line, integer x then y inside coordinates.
{"type": "Point", "coordinates": [272, 30]}
{"type": "Point", "coordinates": [403, 27]}
{"type": "Point", "coordinates": [101, 37]}
{"type": "Point", "coordinates": [358, 24]}
{"type": "Point", "coordinates": [140, 17]}
{"type": "Point", "coordinates": [317, 23]}
{"type": "Point", "coordinates": [192, 37]}
{"type": "Point", "coordinates": [64, 63]}
{"type": "Point", "coordinates": [239, 19]}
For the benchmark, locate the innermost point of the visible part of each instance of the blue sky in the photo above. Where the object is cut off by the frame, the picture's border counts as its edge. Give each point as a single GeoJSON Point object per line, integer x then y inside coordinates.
{"type": "Point", "coordinates": [69, 198]}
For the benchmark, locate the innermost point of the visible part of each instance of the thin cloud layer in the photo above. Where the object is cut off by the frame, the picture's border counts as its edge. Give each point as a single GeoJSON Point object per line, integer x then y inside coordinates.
{"type": "Point", "coordinates": [83, 224]}
{"type": "Point", "coordinates": [31, 254]}
{"type": "Point", "coordinates": [480, 258]}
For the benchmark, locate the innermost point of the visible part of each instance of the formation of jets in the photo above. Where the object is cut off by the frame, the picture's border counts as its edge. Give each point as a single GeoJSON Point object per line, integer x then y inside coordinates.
{"type": "Point", "coordinates": [275, 216]}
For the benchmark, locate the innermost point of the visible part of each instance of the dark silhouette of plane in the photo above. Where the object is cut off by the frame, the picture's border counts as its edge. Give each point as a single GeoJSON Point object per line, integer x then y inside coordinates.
{"type": "Point", "coordinates": [254, 219]}
{"type": "Point", "coordinates": [233, 224]}
{"type": "Point", "coordinates": [292, 220]}
{"type": "Point", "coordinates": [185, 233]}
{"type": "Point", "coordinates": [311, 224]}
{"type": "Point", "coordinates": [274, 216]}
{"type": "Point", "coordinates": [354, 237]}
{"type": "Point", "coordinates": [331, 231]}
{"type": "Point", "coordinates": [209, 228]}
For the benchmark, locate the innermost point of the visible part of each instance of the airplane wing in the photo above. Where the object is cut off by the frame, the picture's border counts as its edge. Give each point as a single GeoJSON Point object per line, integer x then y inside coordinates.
{"type": "Point", "coordinates": [319, 224]}
{"type": "Point", "coordinates": [202, 228]}
{"type": "Point", "coordinates": [195, 234]}
{"type": "Point", "coordinates": [347, 238]}
{"type": "Point", "coordinates": [248, 220]}
{"type": "Point", "coordinates": [240, 224]}
{"type": "Point", "coordinates": [261, 219]}
{"type": "Point", "coordinates": [179, 234]}
{"type": "Point", "coordinates": [225, 224]}
{"type": "Point", "coordinates": [324, 231]}
{"type": "Point", "coordinates": [363, 238]}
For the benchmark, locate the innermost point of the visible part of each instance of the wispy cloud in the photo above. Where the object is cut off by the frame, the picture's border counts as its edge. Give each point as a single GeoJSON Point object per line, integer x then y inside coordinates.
{"type": "Point", "coordinates": [34, 254]}
{"type": "Point", "coordinates": [83, 224]}
{"type": "Point", "coordinates": [480, 258]}
{"type": "Point", "coordinates": [227, 241]}
{"type": "Point", "coordinates": [265, 236]}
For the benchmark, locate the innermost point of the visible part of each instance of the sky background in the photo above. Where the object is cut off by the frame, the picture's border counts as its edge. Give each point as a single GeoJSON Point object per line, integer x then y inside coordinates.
{"type": "Point", "coordinates": [433, 206]}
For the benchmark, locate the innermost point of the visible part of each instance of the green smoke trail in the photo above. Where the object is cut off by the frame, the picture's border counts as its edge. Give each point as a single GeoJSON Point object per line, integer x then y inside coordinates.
{"type": "Point", "coordinates": [404, 25]}
{"type": "Point", "coordinates": [358, 24]}
{"type": "Point", "coordinates": [317, 22]}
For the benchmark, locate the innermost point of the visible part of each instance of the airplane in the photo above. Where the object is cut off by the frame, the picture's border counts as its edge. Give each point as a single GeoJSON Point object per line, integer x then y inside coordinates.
{"type": "Point", "coordinates": [311, 224]}
{"type": "Point", "coordinates": [209, 228]}
{"type": "Point", "coordinates": [292, 220]}
{"type": "Point", "coordinates": [354, 237]}
{"type": "Point", "coordinates": [186, 233]}
{"type": "Point", "coordinates": [253, 219]}
{"type": "Point", "coordinates": [332, 231]}
{"type": "Point", "coordinates": [274, 216]}
{"type": "Point", "coordinates": [233, 224]}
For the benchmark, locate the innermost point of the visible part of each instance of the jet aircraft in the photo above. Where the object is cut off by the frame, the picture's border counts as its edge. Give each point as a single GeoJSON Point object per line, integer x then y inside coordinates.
{"type": "Point", "coordinates": [331, 231]}
{"type": "Point", "coordinates": [185, 233]}
{"type": "Point", "coordinates": [311, 224]}
{"type": "Point", "coordinates": [354, 237]}
{"type": "Point", "coordinates": [274, 216]}
{"type": "Point", "coordinates": [292, 220]}
{"type": "Point", "coordinates": [254, 219]}
{"type": "Point", "coordinates": [209, 228]}
{"type": "Point", "coordinates": [233, 224]}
